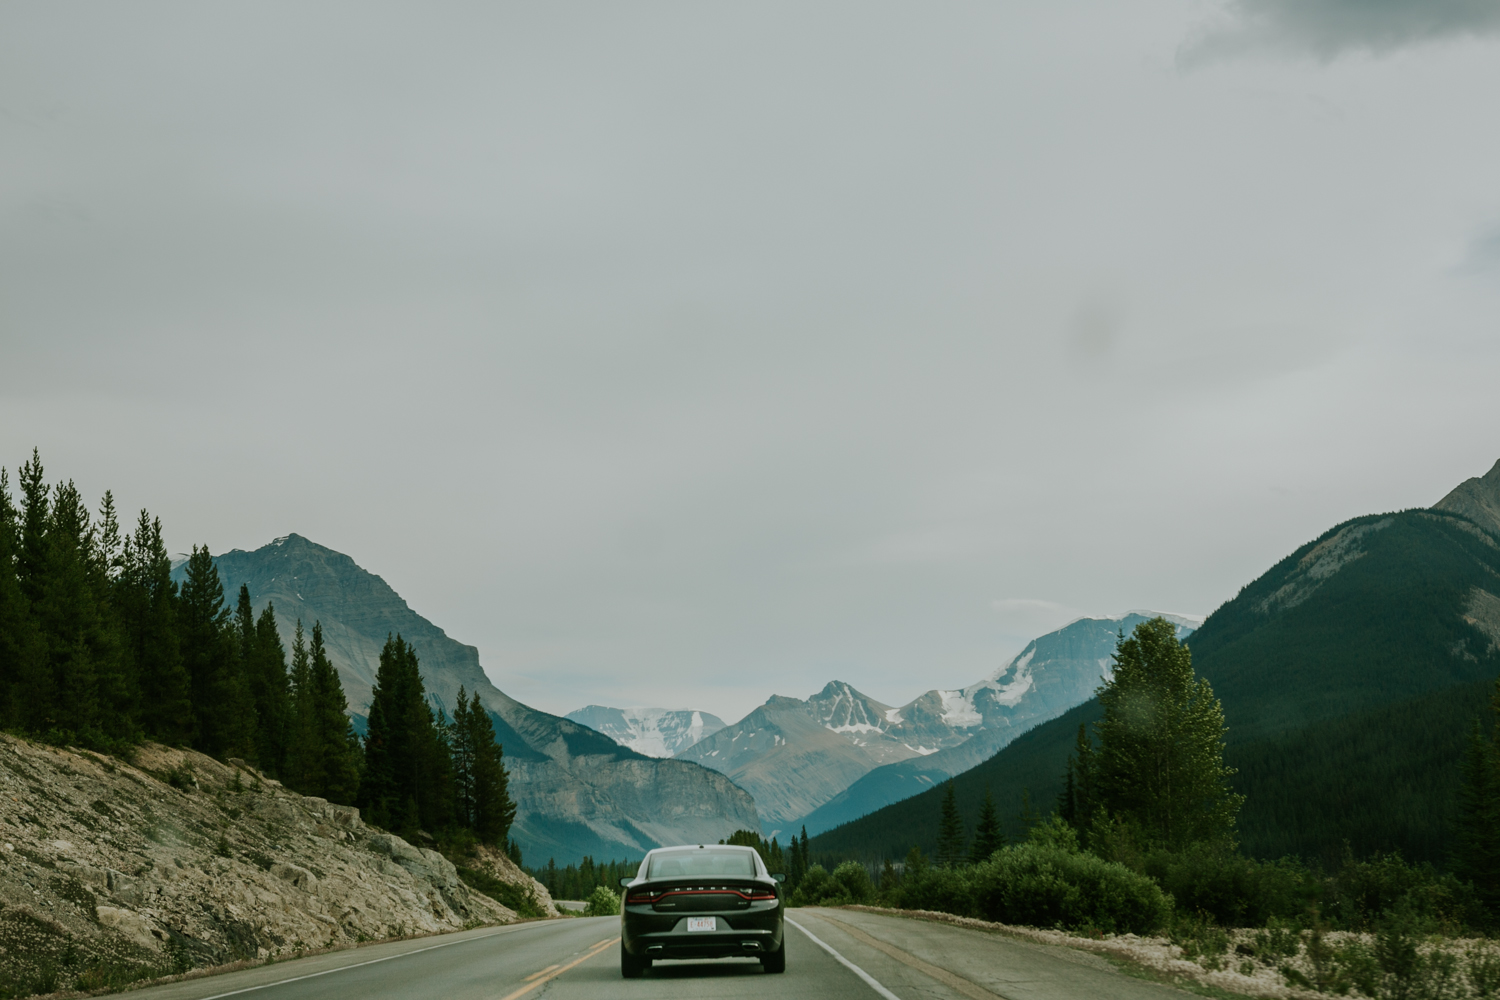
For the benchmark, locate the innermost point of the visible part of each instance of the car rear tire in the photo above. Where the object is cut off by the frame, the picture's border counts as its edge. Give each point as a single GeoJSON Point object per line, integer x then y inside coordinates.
{"type": "Point", "coordinates": [775, 961]}
{"type": "Point", "coordinates": [632, 967]}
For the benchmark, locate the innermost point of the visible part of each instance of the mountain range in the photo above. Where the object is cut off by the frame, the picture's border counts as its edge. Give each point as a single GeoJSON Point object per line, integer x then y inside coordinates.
{"type": "Point", "coordinates": [577, 791]}
{"type": "Point", "coordinates": [841, 754]}
{"type": "Point", "coordinates": [655, 732]}
{"type": "Point", "coordinates": [1349, 673]}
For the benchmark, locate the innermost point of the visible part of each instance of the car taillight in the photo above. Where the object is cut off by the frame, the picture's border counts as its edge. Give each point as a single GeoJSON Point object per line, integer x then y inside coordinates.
{"type": "Point", "coordinates": [762, 895]}
{"type": "Point", "coordinates": [643, 896]}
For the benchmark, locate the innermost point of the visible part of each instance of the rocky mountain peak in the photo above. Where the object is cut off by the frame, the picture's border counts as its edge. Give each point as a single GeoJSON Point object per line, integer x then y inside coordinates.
{"type": "Point", "coordinates": [1478, 499]}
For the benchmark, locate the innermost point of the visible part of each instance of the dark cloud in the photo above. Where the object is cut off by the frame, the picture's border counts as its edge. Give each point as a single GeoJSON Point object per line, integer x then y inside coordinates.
{"type": "Point", "coordinates": [1327, 28]}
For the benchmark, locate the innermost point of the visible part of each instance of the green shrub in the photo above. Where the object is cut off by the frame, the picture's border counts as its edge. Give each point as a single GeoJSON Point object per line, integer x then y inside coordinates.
{"type": "Point", "coordinates": [602, 902]}
{"type": "Point", "coordinates": [855, 882]}
{"type": "Point", "coordinates": [1042, 885]}
{"type": "Point", "coordinates": [819, 888]}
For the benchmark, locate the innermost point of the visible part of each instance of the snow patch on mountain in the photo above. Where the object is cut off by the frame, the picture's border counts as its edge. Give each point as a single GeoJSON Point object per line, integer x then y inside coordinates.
{"type": "Point", "coordinates": [655, 732]}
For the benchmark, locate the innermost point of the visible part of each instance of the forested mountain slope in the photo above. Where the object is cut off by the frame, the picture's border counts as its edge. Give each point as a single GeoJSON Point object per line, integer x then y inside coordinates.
{"type": "Point", "coordinates": [577, 791]}
{"type": "Point", "coordinates": [1348, 673]}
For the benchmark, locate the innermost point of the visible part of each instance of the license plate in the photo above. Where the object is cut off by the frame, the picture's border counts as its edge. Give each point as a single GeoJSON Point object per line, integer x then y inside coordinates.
{"type": "Point", "coordinates": [702, 924]}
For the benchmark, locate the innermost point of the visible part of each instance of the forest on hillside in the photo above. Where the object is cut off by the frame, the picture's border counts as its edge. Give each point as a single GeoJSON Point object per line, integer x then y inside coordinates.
{"type": "Point", "coordinates": [100, 648]}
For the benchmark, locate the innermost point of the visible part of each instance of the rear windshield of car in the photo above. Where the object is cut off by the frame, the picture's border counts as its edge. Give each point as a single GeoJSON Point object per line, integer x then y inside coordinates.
{"type": "Point", "coordinates": [705, 861]}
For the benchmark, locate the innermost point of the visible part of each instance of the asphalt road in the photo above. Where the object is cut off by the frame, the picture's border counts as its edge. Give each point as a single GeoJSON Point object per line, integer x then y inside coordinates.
{"type": "Point", "coordinates": [832, 954]}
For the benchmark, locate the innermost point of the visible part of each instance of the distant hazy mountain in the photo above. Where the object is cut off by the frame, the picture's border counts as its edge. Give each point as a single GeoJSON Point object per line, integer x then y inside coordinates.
{"type": "Point", "coordinates": [1051, 675]}
{"type": "Point", "coordinates": [1349, 672]}
{"type": "Point", "coordinates": [577, 792]}
{"type": "Point", "coordinates": [655, 732]}
{"type": "Point", "coordinates": [846, 753]}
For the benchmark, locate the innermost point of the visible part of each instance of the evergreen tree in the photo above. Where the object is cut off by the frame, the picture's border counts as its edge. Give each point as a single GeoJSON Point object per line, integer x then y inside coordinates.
{"type": "Point", "coordinates": [483, 792]}
{"type": "Point", "coordinates": [987, 836]}
{"type": "Point", "coordinates": [67, 608]}
{"type": "Point", "coordinates": [337, 747]}
{"type": "Point", "coordinates": [1160, 765]}
{"type": "Point", "coordinates": [1476, 854]}
{"type": "Point", "coordinates": [407, 781]}
{"type": "Point", "coordinates": [303, 772]}
{"type": "Point", "coordinates": [951, 835]}
{"type": "Point", "coordinates": [145, 601]}
{"type": "Point", "coordinates": [264, 663]}
{"type": "Point", "coordinates": [23, 656]}
{"type": "Point", "coordinates": [223, 711]}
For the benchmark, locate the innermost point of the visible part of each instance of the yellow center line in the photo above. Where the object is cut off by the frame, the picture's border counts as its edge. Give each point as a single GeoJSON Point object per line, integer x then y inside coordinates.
{"type": "Point", "coordinates": [546, 976]}
{"type": "Point", "coordinates": [542, 973]}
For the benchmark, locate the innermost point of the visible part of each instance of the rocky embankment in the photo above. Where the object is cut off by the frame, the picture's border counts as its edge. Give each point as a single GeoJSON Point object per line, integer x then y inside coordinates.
{"type": "Point", "coordinates": [112, 872]}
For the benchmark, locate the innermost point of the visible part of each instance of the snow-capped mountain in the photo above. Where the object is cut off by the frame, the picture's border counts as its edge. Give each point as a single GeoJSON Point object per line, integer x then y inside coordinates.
{"type": "Point", "coordinates": [841, 750]}
{"type": "Point", "coordinates": [1054, 673]}
{"type": "Point", "coordinates": [655, 732]}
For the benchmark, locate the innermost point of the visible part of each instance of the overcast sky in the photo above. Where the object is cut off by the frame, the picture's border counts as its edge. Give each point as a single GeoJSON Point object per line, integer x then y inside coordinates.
{"type": "Point", "coordinates": [682, 354]}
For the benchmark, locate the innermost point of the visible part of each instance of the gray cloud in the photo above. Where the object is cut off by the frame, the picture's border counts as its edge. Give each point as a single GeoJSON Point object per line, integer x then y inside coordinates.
{"type": "Point", "coordinates": [682, 353]}
{"type": "Point", "coordinates": [1327, 28]}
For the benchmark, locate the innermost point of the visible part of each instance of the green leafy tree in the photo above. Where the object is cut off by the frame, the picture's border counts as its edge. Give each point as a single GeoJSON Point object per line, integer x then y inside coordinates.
{"type": "Point", "coordinates": [1159, 767]}
{"type": "Point", "coordinates": [987, 836]}
{"type": "Point", "coordinates": [951, 834]}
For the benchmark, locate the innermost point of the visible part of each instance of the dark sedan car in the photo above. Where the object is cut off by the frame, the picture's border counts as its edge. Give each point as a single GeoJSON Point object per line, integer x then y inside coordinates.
{"type": "Point", "coordinates": [701, 901]}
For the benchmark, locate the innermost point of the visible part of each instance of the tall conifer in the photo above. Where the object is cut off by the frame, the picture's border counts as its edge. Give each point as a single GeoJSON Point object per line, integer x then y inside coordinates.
{"type": "Point", "coordinates": [407, 781]}
{"type": "Point", "coordinates": [987, 836]}
{"type": "Point", "coordinates": [337, 745]}
{"type": "Point", "coordinates": [951, 835]}
{"type": "Point", "coordinates": [23, 655]}
{"type": "Point", "coordinates": [1476, 851]}
{"type": "Point", "coordinates": [222, 707]}
{"type": "Point", "coordinates": [146, 606]}
{"type": "Point", "coordinates": [1160, 765]}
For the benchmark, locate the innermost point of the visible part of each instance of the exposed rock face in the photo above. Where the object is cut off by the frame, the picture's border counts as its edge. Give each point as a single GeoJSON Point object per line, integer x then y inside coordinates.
{"type": "Point", "coordinates": [841, 754]}
{"type": "Point", "coordinates": [1477, 499]}
{"type": "Point", "coordinates": [106, 865]}
{"type": "Point", "coordinates": [577, 791]}
{"type": "Point", "coordinates": [655, 732]}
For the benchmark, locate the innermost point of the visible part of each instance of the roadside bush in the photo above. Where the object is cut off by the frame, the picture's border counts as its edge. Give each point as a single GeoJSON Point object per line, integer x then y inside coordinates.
{"type": "Point", "coordinates": [1042, 885]}
{"type": "Point", "coordinates": [855, 881]}
{"type": "Point", "coordinates": [602, 902]}
{"type": "Point", "coordinates": [1235, 891]}
{"type": "Point", "coordinates": [819, 888]}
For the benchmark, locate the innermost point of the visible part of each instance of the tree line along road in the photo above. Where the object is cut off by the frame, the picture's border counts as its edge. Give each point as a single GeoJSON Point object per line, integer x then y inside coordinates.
{"type": "Point", "coordinates": [833, 954]}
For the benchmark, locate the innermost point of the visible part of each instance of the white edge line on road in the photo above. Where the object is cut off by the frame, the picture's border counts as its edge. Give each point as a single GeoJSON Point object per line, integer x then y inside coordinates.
{"type": "Point", "coordinates": [356, 965]}
{"type": "Point", "coordinates": [861, 973]}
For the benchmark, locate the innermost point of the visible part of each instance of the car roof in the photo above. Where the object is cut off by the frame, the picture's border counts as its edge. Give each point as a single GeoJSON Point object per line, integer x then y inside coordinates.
{"type": "Point", "coordinates": [695, 847]}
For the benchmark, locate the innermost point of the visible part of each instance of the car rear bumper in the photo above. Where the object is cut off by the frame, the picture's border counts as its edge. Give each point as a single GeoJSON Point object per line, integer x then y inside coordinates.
{"type": "Point", "coordinates": [703, 944]}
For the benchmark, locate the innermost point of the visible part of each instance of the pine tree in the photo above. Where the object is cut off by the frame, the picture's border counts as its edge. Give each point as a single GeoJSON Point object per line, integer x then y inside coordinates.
{"type": "Point", "coordinates": [337, 745]}
{"type": "Point", "coordinates": [224, 713]}
{"type": "Point", "coordinates": [23, 655]}
{"type": "Point", "coordinates": [463, 744]}
{"type": "Point", "coordinates": [67, 609]}
{"type": "Point", "coordinates": [303, 771]}
{"type": "Point", "coordinates": [264, 663]}
{"type": "Point", "coordinates": [951, 835]}
{"type": "Point", "coordinates": [145, 600]}
{"type": "Point", "coordinates": [407, 781]}
{"type": "Point", "coordinates": [1160, 763]}
{"type": "Point", "coordinates": [987, 836]}
{"type": "Point", "coordinates": [1476, 852]}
